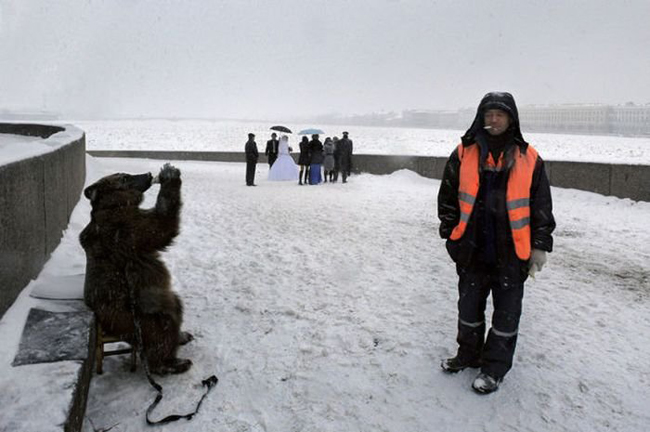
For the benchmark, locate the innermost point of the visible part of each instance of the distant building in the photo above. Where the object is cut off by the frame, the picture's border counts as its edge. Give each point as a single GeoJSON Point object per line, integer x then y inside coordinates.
{"type": "Point", "coordinates": [631, 120]}
{"type": "Point", "coordinates": [584, 119]}
{"type": "Point", "coordinates": [590, 119]}
{"type": "Point", "coordinates": [418, 118]}
{"type": "Point", "coordinates": [594, 119]}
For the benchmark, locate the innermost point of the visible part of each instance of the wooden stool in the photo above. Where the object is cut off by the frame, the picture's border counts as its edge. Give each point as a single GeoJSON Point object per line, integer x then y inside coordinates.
{"type": "Point", "coordinates": [100, 353]}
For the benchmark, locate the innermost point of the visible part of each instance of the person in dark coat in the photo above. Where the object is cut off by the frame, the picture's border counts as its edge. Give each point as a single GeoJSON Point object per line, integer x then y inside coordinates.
{"type": "Point", "coordinates": [304, 160]}
{"type": "Point", "coordinates": [495, 210]}
{"type": "Point", "coordinates": [344, 150]}
{"type": "Point", "coordinates": [350, 152]}
{"type": "Point", "coordinates": [317, 157]}
{"type": "Point", "coordinates": [271, 151]}
{"type": "Point", "coordinates": [251, 159]}
{"type": "Point", "coordinates": [337, 160]}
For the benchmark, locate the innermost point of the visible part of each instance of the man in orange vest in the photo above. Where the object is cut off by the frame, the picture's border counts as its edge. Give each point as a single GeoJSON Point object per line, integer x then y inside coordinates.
{"type": "Point", "coordinates": [495, 211]}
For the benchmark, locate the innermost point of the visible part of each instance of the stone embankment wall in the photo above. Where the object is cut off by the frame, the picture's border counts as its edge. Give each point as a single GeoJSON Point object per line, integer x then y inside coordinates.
{"type": "Point", "coordinates": [37, 196]}
{"type": "Point", "coordinates": [623, 181]}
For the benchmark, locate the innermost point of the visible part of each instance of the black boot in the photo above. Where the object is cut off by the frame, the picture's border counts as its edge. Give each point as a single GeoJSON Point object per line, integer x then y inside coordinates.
{"type": "Point", "coordinates": [456, 364]}
{"type": "Point", "coordinates": [486, 384]}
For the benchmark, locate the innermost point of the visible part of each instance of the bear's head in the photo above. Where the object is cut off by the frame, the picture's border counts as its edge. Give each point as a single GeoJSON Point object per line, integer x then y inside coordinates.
{"type": "Point", "coordinates": [118, 190]}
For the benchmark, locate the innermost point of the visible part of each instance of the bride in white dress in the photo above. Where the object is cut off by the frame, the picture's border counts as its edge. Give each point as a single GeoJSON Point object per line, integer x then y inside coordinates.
{"type": "Point", "coordinates": [284, 168]}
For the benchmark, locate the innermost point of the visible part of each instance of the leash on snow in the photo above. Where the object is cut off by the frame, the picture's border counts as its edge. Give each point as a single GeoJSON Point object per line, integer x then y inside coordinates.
{"type": "Point", "coordinates": [209, 383]}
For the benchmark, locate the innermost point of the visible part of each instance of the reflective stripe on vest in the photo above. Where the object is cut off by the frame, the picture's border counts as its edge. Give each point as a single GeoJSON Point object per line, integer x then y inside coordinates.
{"type": "Point", "coordinates": [517, 194]}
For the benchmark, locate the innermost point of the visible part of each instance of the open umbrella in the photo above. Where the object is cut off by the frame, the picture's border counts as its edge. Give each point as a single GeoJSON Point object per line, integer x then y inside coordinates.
{"type": "Point", "coordinates": [281, 129]}
{"type": "Point", "coordinates": [311, 132]}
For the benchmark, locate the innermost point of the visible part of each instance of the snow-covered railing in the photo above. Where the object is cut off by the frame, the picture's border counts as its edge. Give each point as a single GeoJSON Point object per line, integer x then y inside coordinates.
{"type": "Point", "coordinates": [623, 181]}
{"type": "Point", "coordinates": [38, 191]}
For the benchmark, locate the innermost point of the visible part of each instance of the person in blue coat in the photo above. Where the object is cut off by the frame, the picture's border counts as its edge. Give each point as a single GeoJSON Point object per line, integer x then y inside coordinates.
{"type": "Point", "coordinates": [316, 155]}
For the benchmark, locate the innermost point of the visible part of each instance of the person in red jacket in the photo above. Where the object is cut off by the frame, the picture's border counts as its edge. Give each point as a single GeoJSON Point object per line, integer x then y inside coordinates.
{"type": "Point", "coordinates": [495, 210]}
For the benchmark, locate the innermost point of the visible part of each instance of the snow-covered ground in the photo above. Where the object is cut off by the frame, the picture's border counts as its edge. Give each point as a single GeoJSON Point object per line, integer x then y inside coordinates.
{"type": "Point", "coordinates": [328, 308]}
{"type": "Point", "coordinates": [231, 136]}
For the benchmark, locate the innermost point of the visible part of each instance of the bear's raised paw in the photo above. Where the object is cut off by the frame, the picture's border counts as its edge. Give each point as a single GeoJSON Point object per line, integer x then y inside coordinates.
{"type": "Point", "coordinates": [168, 172]}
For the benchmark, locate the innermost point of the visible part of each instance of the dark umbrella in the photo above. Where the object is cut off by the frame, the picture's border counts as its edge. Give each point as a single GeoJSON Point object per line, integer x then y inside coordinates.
{"type": "Point", "coordinates": [281, 129]}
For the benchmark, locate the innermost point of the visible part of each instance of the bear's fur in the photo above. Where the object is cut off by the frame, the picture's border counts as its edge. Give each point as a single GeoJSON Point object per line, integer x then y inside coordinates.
{"type": "Point", "coordinates": [122, 244]}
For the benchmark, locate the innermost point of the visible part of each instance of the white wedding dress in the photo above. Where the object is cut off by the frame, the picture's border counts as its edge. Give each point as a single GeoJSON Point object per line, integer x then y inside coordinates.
{"type": "Point", "coordinates": [284, 168]}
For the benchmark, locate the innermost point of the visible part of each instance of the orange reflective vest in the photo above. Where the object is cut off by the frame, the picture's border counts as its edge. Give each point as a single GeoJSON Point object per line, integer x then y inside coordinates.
{"type": "Point", "coordinates": [517, 192]}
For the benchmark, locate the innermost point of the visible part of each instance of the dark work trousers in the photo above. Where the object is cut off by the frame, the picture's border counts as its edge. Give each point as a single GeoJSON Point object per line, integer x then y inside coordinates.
{"type": "Point", "coordinates": [496, 352]}
{"type": "Point", "coordinates": [250, 173]}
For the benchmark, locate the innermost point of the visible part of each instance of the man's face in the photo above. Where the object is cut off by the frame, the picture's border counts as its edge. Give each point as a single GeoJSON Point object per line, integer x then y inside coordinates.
{"type": "Point", "coordinates": [496, 121]}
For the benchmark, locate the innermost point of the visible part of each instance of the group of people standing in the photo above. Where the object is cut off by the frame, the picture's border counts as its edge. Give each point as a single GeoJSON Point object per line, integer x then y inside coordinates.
{"type": "Point", "coordinates": [334, 156]}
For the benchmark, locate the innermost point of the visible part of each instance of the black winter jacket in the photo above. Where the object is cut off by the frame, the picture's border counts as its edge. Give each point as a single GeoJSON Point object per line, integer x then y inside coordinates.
{"type": "Point", "coordinates": [251, 151]}
{"type": "Point", "coordinates": [488, 238]}
{"type": "Point", "coordinates": [272, 148]}
{"type": "Point", "coordinates": [472, 246]}
{"type": "Point", "coordinates": [304, 158]}
{"type": "Point", "coordinates": [316, 151]}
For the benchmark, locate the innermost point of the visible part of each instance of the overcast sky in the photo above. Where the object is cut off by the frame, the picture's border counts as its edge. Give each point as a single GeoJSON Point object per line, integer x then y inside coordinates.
{"type": "Point", "coordinates": [268, 59]}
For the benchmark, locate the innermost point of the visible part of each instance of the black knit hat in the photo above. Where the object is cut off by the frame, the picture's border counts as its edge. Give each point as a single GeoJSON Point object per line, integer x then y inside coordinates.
{"type": "Point", "coordinates": [495, 100]}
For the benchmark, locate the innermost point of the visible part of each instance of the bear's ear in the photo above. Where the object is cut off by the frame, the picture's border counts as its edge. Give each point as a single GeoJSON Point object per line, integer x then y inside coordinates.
{"type": "Point", "coordinates": [91, 192]}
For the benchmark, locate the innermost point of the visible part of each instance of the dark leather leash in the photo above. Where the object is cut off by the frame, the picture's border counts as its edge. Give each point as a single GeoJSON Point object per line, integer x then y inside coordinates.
{"type": "Point", "coordinates": [209, 383]}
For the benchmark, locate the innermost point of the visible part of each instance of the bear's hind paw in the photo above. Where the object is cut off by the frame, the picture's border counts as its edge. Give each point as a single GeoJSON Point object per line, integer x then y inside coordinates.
{"type": "Point", "coordinates": [173, 366]}
{"type": "Point", "coordinates": [185, 337]}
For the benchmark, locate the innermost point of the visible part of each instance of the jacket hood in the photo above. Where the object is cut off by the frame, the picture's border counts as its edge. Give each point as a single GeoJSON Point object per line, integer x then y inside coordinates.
{"type": "Point", "coordinates": [495, 100]}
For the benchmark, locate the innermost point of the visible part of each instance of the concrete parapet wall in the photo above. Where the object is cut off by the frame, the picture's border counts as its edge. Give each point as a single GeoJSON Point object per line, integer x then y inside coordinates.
{"type": "Point", "coordinates": [591, 177]}
{"type": "Point", "coordinates": [623, 181]}
{"type": "Point", "coordinates": [175, 155]}
{"type": "Point", "coordinates": [630, 181]}
{"type": "Point", "coordinates": [426, 166]}
{"type": "Point", "coordinates": [37, 196]}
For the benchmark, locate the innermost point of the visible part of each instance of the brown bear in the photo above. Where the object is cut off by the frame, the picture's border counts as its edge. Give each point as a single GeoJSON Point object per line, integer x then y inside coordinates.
{"type": "Point", "coordinates": [123, 244]}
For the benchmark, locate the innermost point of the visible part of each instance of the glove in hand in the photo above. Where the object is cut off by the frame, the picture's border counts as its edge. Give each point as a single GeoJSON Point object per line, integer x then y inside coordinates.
{"type": "Point", "coordinates": [536, 261]}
